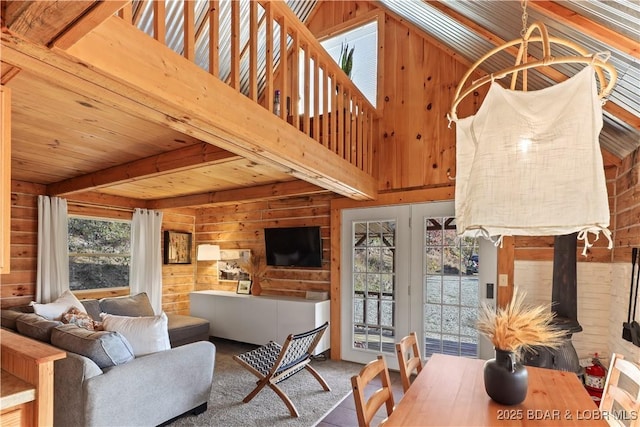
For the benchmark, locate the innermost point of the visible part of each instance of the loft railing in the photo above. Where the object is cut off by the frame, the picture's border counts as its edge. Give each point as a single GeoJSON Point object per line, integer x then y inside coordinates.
{"type": "Point", "coordinates": [259, 47]}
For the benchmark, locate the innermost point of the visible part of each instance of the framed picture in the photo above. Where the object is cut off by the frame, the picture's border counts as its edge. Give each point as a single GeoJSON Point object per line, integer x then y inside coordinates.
{"type": "Point", "coordinates": [230, 266]}
{"type": "Point", "coordinates": [244, 287]}
{"type": "Point", "coordinates": [177, 247]}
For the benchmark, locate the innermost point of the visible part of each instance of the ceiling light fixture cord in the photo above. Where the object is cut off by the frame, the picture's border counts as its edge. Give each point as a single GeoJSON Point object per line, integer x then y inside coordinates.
{"type": "Point", "coordinates": [525, 16]}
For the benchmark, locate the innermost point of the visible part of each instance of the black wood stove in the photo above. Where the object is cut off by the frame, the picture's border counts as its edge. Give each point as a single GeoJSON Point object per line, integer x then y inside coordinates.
{"type": "Point", "coordinates": [564, 299]}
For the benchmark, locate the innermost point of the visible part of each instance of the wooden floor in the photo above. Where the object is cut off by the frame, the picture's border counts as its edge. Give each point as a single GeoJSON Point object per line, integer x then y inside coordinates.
{"type": "Point", "coordinates": [344, 415]}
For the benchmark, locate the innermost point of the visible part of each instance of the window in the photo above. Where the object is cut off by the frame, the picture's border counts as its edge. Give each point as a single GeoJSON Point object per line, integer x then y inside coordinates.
{"type": "Point", "coordinates": [364, 40]}
{"type": "Point", "coordinates": [99, 253]}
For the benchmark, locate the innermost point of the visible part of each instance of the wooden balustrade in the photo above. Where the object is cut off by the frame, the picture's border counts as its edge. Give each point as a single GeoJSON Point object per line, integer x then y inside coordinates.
{"type": "Point", "coordinates": [279, 54]}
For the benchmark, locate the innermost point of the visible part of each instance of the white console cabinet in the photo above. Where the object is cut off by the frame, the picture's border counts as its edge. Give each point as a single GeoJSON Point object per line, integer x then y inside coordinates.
{"type": "Point", "coordinates": [259, 319]}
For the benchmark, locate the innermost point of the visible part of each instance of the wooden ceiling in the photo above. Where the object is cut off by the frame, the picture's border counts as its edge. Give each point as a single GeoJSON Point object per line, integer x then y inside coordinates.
{"type": "Point", "coordinates": [84, 149]}
{"type": "Point", "coordinates": [79, 147]}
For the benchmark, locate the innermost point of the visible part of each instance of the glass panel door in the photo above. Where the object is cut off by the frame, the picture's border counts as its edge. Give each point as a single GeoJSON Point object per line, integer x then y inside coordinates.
{"type": "Point", "coordinates": [403, 269]}
{"type": "Point", "coordinates": [374, 282]}
{"type": "Point", "coordinates": [374, 291]}
{"type": "Point", "coordinates": [450, 289]}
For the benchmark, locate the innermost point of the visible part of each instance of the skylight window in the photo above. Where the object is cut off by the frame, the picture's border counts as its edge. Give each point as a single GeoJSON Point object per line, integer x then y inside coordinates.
{"type": "Point", "coordinates": [365, 56]}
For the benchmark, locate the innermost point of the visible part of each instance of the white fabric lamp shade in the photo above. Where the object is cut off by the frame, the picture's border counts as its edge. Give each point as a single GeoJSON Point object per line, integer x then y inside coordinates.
{"type": "Point", "coordinates": [208, 253]}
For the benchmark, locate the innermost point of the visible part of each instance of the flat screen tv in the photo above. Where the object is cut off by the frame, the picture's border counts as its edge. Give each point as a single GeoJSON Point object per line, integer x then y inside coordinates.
{"type": "Point", "coordinates": [293, 246]}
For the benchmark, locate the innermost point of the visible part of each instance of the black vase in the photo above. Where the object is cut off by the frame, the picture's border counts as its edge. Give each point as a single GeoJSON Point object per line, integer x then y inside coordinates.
{"type": "Point", "coordinates": [505, 379]}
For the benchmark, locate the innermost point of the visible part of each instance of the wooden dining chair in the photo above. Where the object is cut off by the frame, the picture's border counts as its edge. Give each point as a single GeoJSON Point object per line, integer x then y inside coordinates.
{"type": "Point", "coordinates": [409, 359]}
{"type": "Point", "coordinates": [368, 404]}
{"type": "Point", "coordinates": [618, 403]}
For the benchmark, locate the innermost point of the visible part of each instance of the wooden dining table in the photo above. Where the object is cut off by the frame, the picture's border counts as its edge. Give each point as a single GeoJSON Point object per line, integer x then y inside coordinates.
{"type": "Point", "coordinates": [450, 392]}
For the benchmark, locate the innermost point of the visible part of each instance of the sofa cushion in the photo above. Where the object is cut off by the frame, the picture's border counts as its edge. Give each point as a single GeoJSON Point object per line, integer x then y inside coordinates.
{"type": "Point", "coordinates": [54, 310]}
{"type": "Point", "coordinates": [133, 306]}
{"type": "Point", "coordinates": [92, 308]}
{"type": "Point", "coordinates": [187, 329]}
{"type": "Point", "coordinates": [35, 326]}
{"type": "Point", "coordinates": [147, 334]}
{"type": "Point", "coordinates": [104, 348]}
{"type": "Point", "coordinates": [8, 316]}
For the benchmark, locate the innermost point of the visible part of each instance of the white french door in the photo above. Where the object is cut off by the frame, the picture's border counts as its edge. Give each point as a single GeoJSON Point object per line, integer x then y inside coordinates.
{"type": "Point", "coordinates": [404, 269]}
{"type": "Point", "coordinates": [374, 281]}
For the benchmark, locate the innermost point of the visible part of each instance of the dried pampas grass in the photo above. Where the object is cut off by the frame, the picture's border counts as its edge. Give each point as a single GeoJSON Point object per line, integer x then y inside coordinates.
{"type": "Point", "coordinates": [255, 265]}
{"type": "Point", "coordinates": [520, 326]}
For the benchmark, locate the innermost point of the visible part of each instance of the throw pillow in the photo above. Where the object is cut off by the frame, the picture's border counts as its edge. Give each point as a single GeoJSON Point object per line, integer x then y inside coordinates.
{"type": "Point", "coordinates": [92, 307]}
{"type": "Point", "coordinates": [54, 310]}
{"type": "Point", "coordinates": [104, 348]}
{"type": "Point", "coordinates": [134, 305]}
{"type": "Point", "coordinates": [77, 317]}
{"type": "Point", "coordinates": [148, 334]}
{"type": "Point", "coordinates": [35, 326]}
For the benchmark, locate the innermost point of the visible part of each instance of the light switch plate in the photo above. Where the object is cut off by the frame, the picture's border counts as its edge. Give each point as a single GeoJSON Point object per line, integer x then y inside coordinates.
{"type": "Point", "coordinates": [503, 280]}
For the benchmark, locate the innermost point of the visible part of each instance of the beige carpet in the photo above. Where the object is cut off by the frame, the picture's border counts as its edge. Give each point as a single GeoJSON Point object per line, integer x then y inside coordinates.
{"type": "Point", "coordinates": [231, 383]}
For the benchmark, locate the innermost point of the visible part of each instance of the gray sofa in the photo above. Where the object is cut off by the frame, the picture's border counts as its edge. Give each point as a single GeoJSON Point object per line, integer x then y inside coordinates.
{"type": "Point", "coordinates": [108, 385]}
{"type": "Point", "coordinates": [182, 329]}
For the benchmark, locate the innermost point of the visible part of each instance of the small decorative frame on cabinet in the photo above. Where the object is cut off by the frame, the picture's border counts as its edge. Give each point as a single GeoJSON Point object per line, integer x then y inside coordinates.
{"type": "Point", "coordinates": [244, 287]}
{"type": "Point", "coordinates": [177, 247]}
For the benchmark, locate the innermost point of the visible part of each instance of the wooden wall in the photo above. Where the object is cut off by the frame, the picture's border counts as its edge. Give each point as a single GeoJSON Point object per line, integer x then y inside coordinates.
{"type": "Point", "coordinates": [178, 279]}
{"type": "Point", "coordinates": [415, 146]}
{"type": "Point", "coordinates": [19, 286]}
{"type": "Point", "coordinates": [241, 226]}
{"type": "Point", "coordinates": [626, 214]}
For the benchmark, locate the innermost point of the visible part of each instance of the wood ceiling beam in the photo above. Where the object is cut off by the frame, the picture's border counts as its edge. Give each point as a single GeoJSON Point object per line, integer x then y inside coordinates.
{"type": "Point", "coordinates": [93, 198]}
{"type": "Point", "coordinates": [611, 107]}
{"type": "Point", "coordinates": [248, 194]}
{"type": "Point", "coordinates": [7, 72]}
{"type": "Point", "coordinates": [182, 89]}
{"type": "Point", "coordinates": [609, 158]}
{"type": "Point", "coordinates": [586, 26]}
{"type": "Point", "coordinates": [194, 103]}
{"type": "Point", "coordinates": [95, 16]}
{"type": "Point", "coordinates": [42, 21]}
{"type": "Point", "coordinates": [173, 161]}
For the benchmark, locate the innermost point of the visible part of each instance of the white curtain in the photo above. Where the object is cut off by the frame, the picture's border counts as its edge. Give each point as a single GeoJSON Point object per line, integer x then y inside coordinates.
{"type": "Point", "coordinates": [146, 261]}
{"type": "Point", "coordinates": [53, 249]}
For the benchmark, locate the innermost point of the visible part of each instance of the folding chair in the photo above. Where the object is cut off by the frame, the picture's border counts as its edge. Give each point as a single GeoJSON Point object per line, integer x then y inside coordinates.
{"type": "Point", "coordinates": [409, 360]}
{"type": "Point", "coordinates": [273, 363]}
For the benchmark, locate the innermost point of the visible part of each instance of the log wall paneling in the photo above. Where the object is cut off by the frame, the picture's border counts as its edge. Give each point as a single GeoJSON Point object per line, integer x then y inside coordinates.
{"type": "Point", "coordinates": [626, 214]}
{"type": "Point", "coordinates": [241, 226]}
{"type": "Point", "coordinates": [19, 286]}
{"type": "Point", "coordinates": [5, 180]}
{"type": "Point", "coordinates": [178, 279]}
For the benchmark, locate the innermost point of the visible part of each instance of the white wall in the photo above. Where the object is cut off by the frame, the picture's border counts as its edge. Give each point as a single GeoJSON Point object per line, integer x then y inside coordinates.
{"type": "Point", "coordinates": [620, 283]}
{"type": "Point", "coordinates": [594, 289]}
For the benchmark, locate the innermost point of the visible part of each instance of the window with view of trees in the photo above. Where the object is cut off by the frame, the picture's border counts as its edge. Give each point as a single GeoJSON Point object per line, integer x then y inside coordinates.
{"type": "Point", "coordinates": [99, 253]}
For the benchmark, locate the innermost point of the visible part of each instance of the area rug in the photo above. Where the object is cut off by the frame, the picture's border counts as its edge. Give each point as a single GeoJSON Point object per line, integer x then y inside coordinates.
{"type": "Point", "coordinates": [231, 383]}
